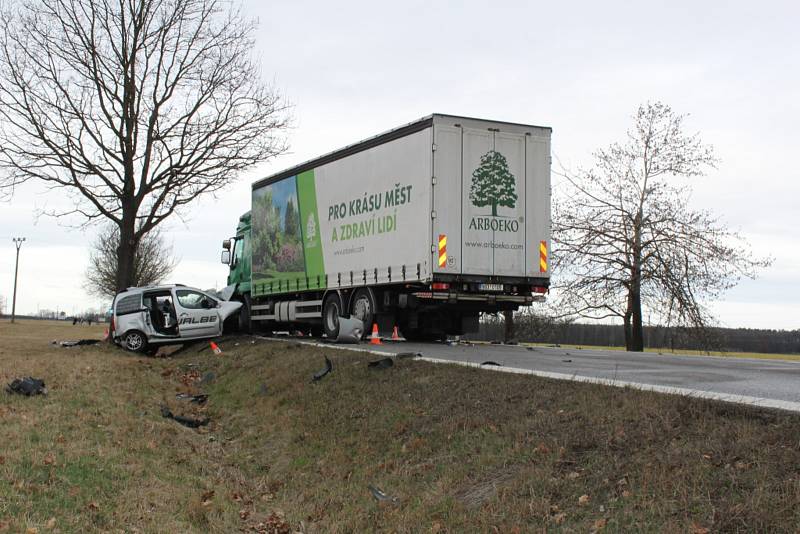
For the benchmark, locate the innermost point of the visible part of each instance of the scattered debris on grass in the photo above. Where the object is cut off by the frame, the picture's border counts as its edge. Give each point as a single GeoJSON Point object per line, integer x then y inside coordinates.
{"type": "Point", "coordinates": [27, 386]}
{"type": "Point", "coordinates": [200, 398]}
{"type": "Point", "coordinates": [383, 363]}
{"type": "Point", "coordinates": [321, 374]}
{"type": "Point", "coordinates": [380, 495]}
{"type": "Point", "coordinates": [78, 343]}
{"type": "Point", "coordinates": [404, 355]}
{"type": "Point", "coordinates": [189, 422]}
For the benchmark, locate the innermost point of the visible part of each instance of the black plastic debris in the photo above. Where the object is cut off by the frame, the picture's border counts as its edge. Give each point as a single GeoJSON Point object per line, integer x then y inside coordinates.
{"type": "Point", "coordinates": [197, 399]}
{"type": "Point", "coordinates": [490, 362]}
{"type": "Point", "coordinates": [185, 421]}
{"type": "Point", "coordinates": [567, 361]}
{"type": "Point", "coordinates": [78, 343]}
{"type": "Point", "coordinates": [404, 355]}
{"type": "Point", "coordinates": [27, 386]}
{"type": "Point", "coordinates": [383, 363]}
{"type": "Point", "coordinates": [321, 374]}
{"type": "Point", "coordinates": [380, 495]}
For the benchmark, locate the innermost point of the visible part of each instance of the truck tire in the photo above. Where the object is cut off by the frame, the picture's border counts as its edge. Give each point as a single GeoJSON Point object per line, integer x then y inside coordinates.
{"type": "Point", "coordinates": [331, 311]}
{"type": "Point", "coordinates": [245, 325]}
{"type": "Point", "coordinates": [362, 306]}
{"type": "Point", "coordinates": [135, 341]}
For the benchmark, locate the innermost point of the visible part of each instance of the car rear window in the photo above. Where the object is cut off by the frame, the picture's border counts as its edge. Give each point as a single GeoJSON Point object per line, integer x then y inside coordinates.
{"type": "Point", "coordinates": [129, 304]}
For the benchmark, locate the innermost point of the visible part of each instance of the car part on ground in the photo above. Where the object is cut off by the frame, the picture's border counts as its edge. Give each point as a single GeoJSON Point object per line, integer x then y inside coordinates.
{"type": "Point", "coordinates": [27, 386]}
{"type": "Point", "coordinates": [383, 363]}
{"type": "Point", "coordinates": [78, 343]}
{"type": "Point", "coordinates": [189, 422]}
{"type": "Point", "coordinates": [322, 373]}
{"type": "Point", "coordinates": [380, 495]}
{"type": "Point", "coordinates": [351, 330]}
{"type": "Point", "coordinates": [200, 398]}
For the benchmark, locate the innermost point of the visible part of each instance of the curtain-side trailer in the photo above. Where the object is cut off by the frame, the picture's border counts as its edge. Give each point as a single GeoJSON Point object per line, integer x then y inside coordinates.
{"type": "Point", "coordinates": [422, 227]}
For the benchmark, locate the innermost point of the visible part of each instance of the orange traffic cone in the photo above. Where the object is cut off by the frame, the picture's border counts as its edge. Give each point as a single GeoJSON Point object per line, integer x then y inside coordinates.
{"type": "Point", "coordinates": [216, 348]}
{"type": "Point", "coordinates": [395, 335]}
{"type": "Point", "coordinates": [374, 338]}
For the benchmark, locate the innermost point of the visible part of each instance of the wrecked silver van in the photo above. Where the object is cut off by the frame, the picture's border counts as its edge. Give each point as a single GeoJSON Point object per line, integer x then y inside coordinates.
{"type": "Point", "coordinates": [145, 318]}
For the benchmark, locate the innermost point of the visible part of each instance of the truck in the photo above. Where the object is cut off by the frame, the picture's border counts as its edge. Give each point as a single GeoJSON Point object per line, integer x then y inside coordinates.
{"type": "Point", "coordinates": [422, 228]}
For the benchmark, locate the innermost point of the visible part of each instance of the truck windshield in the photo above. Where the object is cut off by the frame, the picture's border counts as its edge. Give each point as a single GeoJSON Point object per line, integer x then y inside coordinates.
{"type": "Point", "coordinates": [238, 249]}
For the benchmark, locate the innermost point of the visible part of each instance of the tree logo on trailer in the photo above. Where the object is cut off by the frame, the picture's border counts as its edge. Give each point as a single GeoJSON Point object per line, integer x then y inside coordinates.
{"type": "Point", "coordinates": [311, 228]}
{"type": "Point", "coordinates": [492, 183]}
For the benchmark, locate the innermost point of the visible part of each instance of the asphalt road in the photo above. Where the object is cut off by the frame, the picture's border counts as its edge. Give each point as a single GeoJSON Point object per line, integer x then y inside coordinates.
{"type": "Point", "coordinates": [768, 383]}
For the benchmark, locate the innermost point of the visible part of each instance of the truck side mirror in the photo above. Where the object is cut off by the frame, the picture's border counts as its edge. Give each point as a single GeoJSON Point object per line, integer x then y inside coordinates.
{"type": "Point", "coordinates": [226, 244]}
{"type": "Point", "coordinates": [226, 257]}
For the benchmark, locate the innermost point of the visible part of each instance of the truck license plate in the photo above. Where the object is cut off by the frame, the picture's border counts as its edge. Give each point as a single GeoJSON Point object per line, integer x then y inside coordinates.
{"type": "Point", "coordinates": [491, 287]}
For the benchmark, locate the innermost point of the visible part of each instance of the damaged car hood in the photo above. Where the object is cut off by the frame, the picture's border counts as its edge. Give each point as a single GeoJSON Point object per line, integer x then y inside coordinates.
{"type": "Point", "coordinates": [228, 308]}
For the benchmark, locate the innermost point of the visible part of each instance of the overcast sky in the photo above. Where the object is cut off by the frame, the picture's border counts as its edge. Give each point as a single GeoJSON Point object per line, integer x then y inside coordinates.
{"type": "Point", "coordinates": [355, 69]}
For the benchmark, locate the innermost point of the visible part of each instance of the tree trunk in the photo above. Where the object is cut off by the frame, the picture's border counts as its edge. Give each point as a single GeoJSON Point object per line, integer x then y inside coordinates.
{"type": "Point", "coordinates": [494, 210]}
{"type": "Point", "coordinates": [627, 326]}
{"type": "Point", "coordinates": [636, 342]}
{"type": "Point", "coordinates": [508, 331]}
{"type": "Point", "coordinates": [126, 252]}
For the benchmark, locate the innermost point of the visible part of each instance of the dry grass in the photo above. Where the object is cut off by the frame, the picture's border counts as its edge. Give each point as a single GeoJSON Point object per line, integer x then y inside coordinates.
{"type": "Point", "coordinates": [462, 450]}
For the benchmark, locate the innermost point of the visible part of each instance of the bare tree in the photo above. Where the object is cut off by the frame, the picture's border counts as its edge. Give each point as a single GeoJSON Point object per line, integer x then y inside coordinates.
{"type": "Point", "coordinates": [153, 262]}
{"type": "Point", "coordinates": [133, 109]}
{"type": "Point", "coordinates": [627, 240]}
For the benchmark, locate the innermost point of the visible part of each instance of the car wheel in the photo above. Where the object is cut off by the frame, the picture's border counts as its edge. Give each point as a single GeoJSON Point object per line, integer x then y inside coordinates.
{"type": "Point", "coordinates": [135, 341]}
{"type": "Point", "coordinates": [362, 307]}
{"type": "Point", "coordinates": [331, 311]}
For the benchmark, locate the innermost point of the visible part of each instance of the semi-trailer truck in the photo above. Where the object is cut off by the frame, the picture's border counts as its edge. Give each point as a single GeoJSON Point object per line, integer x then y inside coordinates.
{"type": "Point", "coordinates": [422, 227]}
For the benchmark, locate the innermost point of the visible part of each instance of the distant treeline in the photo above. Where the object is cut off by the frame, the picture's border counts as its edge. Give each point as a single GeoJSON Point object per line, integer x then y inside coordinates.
{"type": "Point", "coordinates": [544, 330]}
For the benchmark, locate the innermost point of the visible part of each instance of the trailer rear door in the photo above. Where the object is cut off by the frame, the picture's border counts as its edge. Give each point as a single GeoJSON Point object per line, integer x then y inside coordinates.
{"type": "Point", "coordinates": [480, 199]}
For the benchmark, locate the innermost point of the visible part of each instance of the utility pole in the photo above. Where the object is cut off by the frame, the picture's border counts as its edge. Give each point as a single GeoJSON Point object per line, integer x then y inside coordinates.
{"type": "Point", "coordinates": [17, 243]}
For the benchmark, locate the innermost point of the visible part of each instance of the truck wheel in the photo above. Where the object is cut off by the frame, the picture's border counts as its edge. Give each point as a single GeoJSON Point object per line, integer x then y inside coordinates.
{"type": "Point", "coordinates": [331, 310]}
{"type": "Point", "coordinates": [135, 341]}
{"type": "Point", "coordinates": [245, 325]}
{"type": "Point", "coordinates": [362, 306]}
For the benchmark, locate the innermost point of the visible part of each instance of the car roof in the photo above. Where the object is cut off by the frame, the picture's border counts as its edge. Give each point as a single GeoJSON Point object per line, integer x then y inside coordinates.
{"type": "Point", "coordinates": [157, 288]}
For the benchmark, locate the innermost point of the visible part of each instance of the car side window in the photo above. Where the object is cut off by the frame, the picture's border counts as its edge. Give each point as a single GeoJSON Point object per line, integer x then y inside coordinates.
{"type": "Point", "coordinates": [129, 304]}
{"type": "Point", "coordinates": [193, 300]}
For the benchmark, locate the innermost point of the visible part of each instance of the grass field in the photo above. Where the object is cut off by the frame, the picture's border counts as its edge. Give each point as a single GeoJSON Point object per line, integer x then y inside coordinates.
{"type": "Point", "coordinates": [461, 450]}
